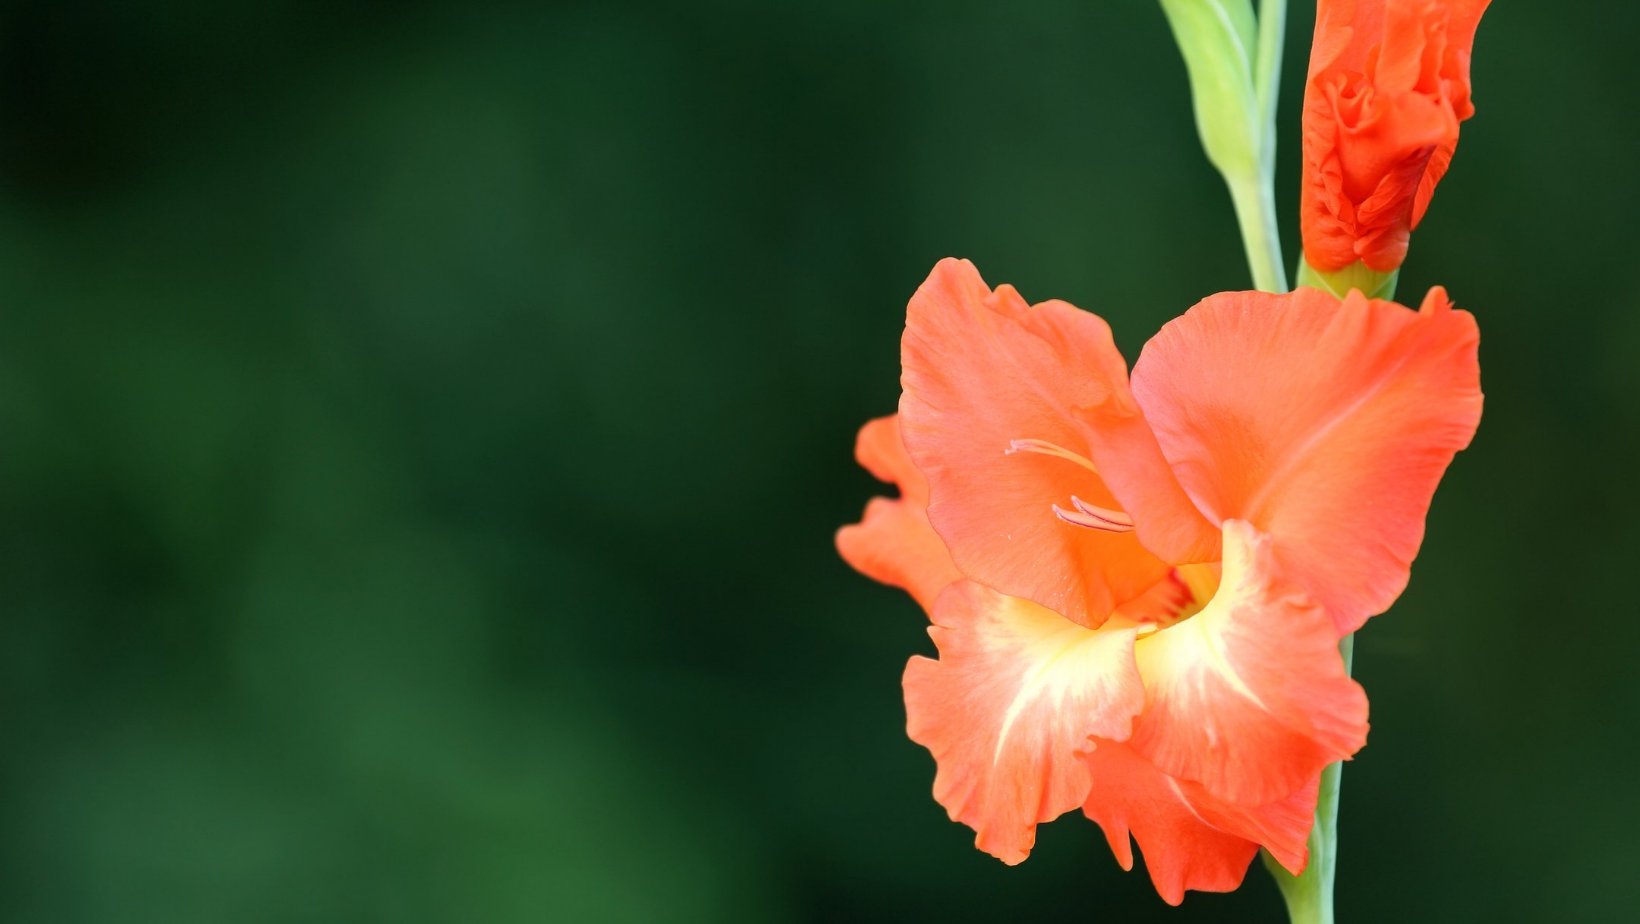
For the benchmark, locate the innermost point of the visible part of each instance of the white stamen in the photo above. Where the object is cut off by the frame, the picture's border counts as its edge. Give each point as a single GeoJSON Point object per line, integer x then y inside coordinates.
{"type": "Point", "coordinates": [1114, 517]}
{"type": "Point", "coordinates": [1049, 449]}
{"type": "Point", "coordinates": [1090, 520]}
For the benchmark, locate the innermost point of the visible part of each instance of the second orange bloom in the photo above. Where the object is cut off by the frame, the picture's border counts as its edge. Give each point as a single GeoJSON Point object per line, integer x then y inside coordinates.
{"type": "Point", "coordinates": [1388, 85]}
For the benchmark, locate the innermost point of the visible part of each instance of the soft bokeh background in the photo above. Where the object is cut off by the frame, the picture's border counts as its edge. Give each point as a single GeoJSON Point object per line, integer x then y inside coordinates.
{"type": "Point", "coordinates": [424, 426]}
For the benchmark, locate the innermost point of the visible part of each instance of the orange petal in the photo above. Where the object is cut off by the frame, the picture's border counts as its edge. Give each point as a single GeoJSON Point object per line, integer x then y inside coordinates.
{"type": "Point", "coordinates": [1012, 700]}
{"type": "Point", "coordinates": [1460, 35]}
{"type": "Point", "coordinates": [893, 542]}
{"type": "Point", "coordinates": [1190, 839]}
{"type": "Point", "coordinates": [1129, 457]}
{"type": "Point", "coordinates": [1249, 697]}
{"type": "Point", "coordinates": [993, 388]}
{"type": "Point", "coordinates": [1325, 424]}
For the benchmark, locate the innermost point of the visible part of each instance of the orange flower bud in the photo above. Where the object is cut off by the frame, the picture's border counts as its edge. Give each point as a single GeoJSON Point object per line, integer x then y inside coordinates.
{"type": "Point", "coordinates": [1388, 85]}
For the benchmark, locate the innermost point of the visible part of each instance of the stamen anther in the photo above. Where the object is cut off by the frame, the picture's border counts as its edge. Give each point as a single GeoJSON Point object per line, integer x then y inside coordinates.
{"type": "Point", "coordinates": [1092, 517]}
{"type": "Point", "coordinates": [1116, 517]}
{"type": "Point", "coordinates": [1049, 449]}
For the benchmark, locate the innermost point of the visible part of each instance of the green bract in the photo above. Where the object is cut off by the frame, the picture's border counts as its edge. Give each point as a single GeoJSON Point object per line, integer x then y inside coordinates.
{"type": "Point", "coordinates": [1219, 39]}
{"type": "Point", "coordinates": [1357, 275]}
{"type": "Point", "coordinates": [1234, 62]}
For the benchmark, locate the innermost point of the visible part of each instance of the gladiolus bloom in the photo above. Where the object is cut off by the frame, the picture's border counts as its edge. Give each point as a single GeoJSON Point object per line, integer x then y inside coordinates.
{"type": "Point", "coordinates": [1138, 586]}
{"type": "Point", "coordinates": [1388, 85]}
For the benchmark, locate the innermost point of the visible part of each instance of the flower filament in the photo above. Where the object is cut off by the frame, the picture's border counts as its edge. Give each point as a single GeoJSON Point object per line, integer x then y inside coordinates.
{"type": "Point", "coordinates": [1082, 513]}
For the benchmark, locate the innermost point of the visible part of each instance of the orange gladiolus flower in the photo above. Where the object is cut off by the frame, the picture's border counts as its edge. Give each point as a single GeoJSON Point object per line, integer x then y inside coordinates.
{"type": "Point", "coordinates": [1138, 587]}
{"type": "Point", "coordinates": [1388, 85]}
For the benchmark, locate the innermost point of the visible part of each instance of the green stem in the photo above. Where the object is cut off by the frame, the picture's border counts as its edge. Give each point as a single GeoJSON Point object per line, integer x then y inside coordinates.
{"type": "Point", "coordinates": [1254, 197]}
{"type": "Point", "coordinates": [1255, 203]}
{"type": "Point", "coordinates": [1309, 895]}
{"type": "Point", "coordinates": [1272, 26]}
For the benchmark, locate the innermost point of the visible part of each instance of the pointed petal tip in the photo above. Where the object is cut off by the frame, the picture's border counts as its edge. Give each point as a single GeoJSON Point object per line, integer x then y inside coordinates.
{"type": "Point", "coordinates": [1008, 854]}
{"type": "Point", "coordinates": [954, 270]}
{"type": "Point", "coordinates": [1121, 844]}
{"type": "Point", "coordinates": [1436, 302]}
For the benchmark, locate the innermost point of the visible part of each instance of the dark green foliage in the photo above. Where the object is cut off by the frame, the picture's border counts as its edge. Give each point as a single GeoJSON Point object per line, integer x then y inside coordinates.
{"type": "Point", "coordinates": [422, 429]}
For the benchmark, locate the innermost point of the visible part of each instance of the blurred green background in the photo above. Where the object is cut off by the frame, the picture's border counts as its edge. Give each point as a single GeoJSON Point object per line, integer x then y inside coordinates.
{"type": "Point", "coordinates": [424, 426]}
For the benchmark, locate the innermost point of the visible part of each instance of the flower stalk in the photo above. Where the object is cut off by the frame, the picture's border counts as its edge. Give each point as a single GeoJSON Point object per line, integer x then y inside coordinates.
{"type": "Point", "coordinates": [1210, 708]}
{"type": "Point", "coordinates": [1309, 895]}
{"type": "Point", "coordinates": [1266, 260]}
{"type": "Point", "coordinates": [1255, 204]}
